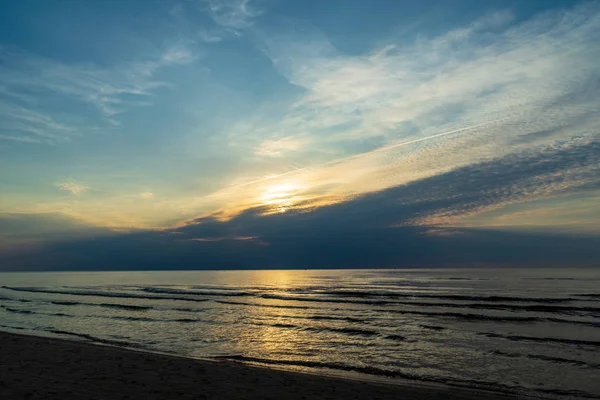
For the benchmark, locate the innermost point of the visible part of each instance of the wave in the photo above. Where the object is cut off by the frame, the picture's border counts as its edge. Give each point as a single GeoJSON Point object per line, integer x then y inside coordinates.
{"type": "Point", "coordinates": [109, 317]}
{"type": "Point", "coordinates": [119, 317]}
{"type": "Point", "coordinates": [478, 306]}
{"type": "Point", "coordinates": [20, 328]}
{"type": "Point", "coordinates": [136, 319]}
{"type": "Point", "coordinates": [102, 294]}
{"type": "Point", "coordinates": [17, 311]}
{"type": "Point", "coordinates": [191, 310]}
{"type": "Point", "coordinates": [460, 316]}
{"type": "Point", "coordinates": [105, 305]}
{"type": "Point", "coordinates": [541, 339]}
{"type": "Point", "coordinates": [433, 327]}
{"type": "Point", "coordinates": [195, 293]}
{"type": "Point", "coordinates": [359, 293]}
{"type": "Point", "coordinates": [125, 307]}
{"type": "Point", "coordinates": [94, 338]}
{"type": "Point", "coordinates": [508, 307]}
{"type": "Point", "coordinates": [551, 279]}
{"type": "Point", "coordinates": [368, 370]}
{"type": "Point", "coordinates": [455, 315]}
{"type": "Point", "coordinates": [19, 300]}
{"type": "Point", "coordinates": [331, 318]}
{"type": "Point", "coordinates": [240, 303]}
{"type": "Point", "coordinates": [511, 307]}
{"type": "Point", "coordinates": [67, 303]}
{"type": "Point", "coordinates": [482, 317]}
{"type": "Point", "coordinates": [323, 300]}
{"type": "Point", "coordinates": [29, 312]}
{"type": "Point", "coordinates": [575, 322]}
{"type": "Point", "coordinates": [346, 331]}
{"type": "Point", "coordinates": [187, 320]}
{"type": "Point", "coordinates": [291, 326]}
{"type": "Point", "coordinates": [468, 317]}
{"type": "Point", "coordinates": [542, 357]}
{"type": "Point", "coordinates": [319, 364]}
{"type": "Point", "coordinates": [398, 338]}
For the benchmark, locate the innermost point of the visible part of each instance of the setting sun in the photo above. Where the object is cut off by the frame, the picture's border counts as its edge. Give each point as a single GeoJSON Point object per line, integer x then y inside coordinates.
{"type": "Point", "coordinates": [362, 194]}
{"type": "Point", "coordinates": [277, 194]}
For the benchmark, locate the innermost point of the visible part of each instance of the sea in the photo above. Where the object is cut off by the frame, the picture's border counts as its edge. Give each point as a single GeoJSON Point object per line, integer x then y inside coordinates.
{"type": "Point", "coordinates": [529, 332]}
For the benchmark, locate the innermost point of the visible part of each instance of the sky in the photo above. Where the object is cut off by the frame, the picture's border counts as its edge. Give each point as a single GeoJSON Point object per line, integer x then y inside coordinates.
{"type": "Point", "coordinates": [202, 134]}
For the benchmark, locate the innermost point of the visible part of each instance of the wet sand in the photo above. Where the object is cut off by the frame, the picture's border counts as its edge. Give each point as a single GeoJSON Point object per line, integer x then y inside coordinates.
{"type": "Point", "coordinates": [47, 368]}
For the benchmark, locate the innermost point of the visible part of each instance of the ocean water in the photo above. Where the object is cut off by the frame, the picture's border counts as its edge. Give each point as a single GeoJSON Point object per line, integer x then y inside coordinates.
{"type": "Point", "coordinates": [526, 331]}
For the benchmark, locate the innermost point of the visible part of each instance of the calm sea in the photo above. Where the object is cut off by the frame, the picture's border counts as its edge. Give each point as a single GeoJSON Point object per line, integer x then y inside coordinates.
{"type": "Point", "coordinates": [529, 331]}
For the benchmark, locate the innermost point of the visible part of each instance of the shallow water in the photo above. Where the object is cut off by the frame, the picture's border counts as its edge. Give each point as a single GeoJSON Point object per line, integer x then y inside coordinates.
{"type": "Point", "coordinates": [530, 331]}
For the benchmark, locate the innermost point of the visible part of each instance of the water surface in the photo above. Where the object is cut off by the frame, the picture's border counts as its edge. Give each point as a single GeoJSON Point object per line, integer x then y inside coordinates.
{"type": "Point", "coordinates": [528, 331]}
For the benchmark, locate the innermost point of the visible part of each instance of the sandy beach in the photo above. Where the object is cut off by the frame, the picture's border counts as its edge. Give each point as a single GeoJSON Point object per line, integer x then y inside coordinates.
{"type": "Point", "coordinates": [47, 368]}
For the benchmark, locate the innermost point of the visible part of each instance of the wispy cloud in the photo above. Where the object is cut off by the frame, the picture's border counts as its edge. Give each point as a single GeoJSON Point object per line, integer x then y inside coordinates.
{"type": "Point", "coordinates": [277, 147]}
{"type": "Point", "coordinates": [562, 169]}
{"type": "Point", "coordinates": [74, 187]}
{"type": "Point", "coordinates": [33, 86]}
{"type": "Point", "coordinates": [233, 14]}
{"type": "Point", "coordinates": [25, 124]}
{"type": "Point", "coordinates": [489, 69]}
{"type": "Point", "coordinates": [500, 88]}
{"type": "Point", "coordinates": [503, 80]}
{"type": "Point", "coordinates": [210, 36]}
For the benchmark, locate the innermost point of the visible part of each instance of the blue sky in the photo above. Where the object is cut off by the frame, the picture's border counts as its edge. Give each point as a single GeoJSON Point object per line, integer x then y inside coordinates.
{"type": "Point", "coordinates": [121, 117]}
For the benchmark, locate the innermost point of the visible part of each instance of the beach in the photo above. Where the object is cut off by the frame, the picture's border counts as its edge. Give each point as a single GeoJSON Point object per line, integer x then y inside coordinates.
{"type": "Point", "coordinates": [532, 334]}
{"type": "Point", "coordinates": [48, 368]}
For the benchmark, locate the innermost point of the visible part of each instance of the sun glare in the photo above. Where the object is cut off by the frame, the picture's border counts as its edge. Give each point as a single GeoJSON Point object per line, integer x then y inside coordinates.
{"type": "Point", "coordinates": [280, 197]}
{"type": "Point", "coordinates": [277, 194]}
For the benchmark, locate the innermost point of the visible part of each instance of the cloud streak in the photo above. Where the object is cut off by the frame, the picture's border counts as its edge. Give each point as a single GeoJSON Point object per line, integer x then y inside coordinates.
{"type": "Point", "coordinates": [491, 69]}
{"type": "Point", "coordinates": [377, 229]}
{"type": "Point", "coordinates": [73, 187]}
{"type": "Point", "coordinates": [233, 14]}
{"type": "Point", "coordinates": [32, 86]}
{"type": "Point", "coordinates": [441, 129]}
{"type": "Point", "coordinates": [515, 86]}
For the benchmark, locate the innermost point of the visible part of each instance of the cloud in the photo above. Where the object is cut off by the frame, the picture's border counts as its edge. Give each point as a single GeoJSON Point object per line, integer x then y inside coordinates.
{"type": "Point", "coordinates": [210, 37]}
{"type": "Point", "coordinates": [403, 226]}
{"type": "Point", "coordinates": [563, 168]}
{"type": "Point", "coordinates": [465, 108]}
{"type": "Point", "coordinates": [27, 125]}
{"type": "Point", "coordinates": [73, 187]}
{"type": "Point", "coordinates": [233, 14]}
{"type": "Point", "coordinates": [220, 239]}
{"type": "Point", "coordinates": [176, 55]}
{"type": "Point", "coordinates": [26, 231]}
{"type": "Point", "coordinates": [32, 86]}
{"type": "Point", "coordinates": [523, 73]}
{"type": "Point", "coordinates": [575, 213]}
{"type": "Point", "coordinates": [146, 195]}
{"type": "Point", "coordinates": [278, 147]}
{"type": "Point", "coordinates": [500, 86]}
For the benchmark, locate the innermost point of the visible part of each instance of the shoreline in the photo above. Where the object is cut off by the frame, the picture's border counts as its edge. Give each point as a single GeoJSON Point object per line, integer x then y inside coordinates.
{"type": "Point", "coordinates": [47, 367]}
